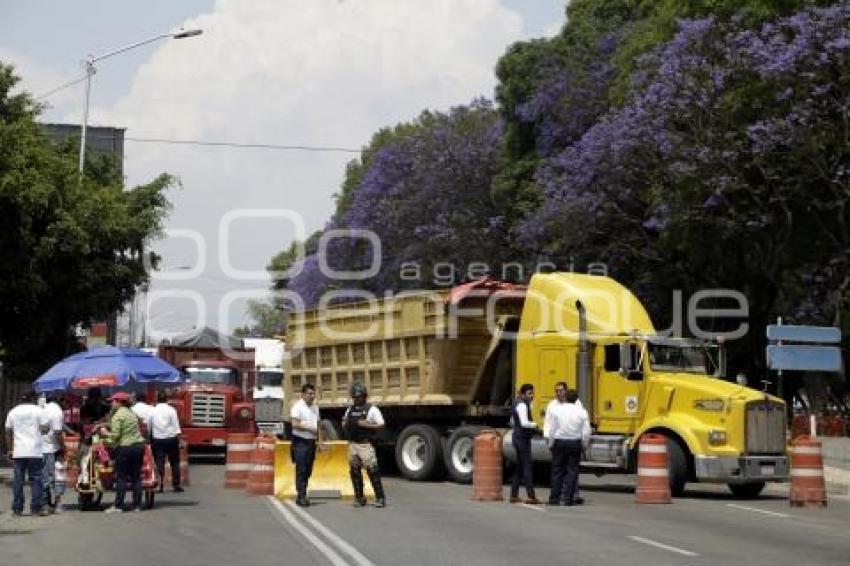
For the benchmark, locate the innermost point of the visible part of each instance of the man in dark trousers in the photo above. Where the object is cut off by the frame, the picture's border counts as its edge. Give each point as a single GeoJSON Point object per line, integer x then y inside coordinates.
{"type": "Point", "coordinates": [305, 434]}
{"type": "Point", "coordinates": [165, 440]}
{"type": "Point", "coordinates": [568, 429]}
{"type": "Point", "coordinates": [361, 422]}
{"type": "Point", "coordinates": [523, 430]}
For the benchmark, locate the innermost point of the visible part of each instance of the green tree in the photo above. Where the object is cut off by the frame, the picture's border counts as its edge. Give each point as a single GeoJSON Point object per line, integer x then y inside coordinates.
{"type": "Point", "coordinates": [269, 320]}
{"type": "Point", "coordinates": [70, 248]}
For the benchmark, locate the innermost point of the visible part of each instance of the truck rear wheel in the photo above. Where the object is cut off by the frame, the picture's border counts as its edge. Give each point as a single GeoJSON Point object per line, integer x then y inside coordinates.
{"type": "Point", "coordinates": [328, 430]}
{"type": "Point", "coordinates": [746, 490]}
{"type": "Point", "coordinates": [419, 452]}
{"type": "Point", "coordinates": [459, 447]}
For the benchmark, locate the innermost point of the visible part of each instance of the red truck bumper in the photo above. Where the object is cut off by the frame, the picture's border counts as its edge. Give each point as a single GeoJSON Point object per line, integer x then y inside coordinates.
{"type": "Point", "coordinates": [211, 437]}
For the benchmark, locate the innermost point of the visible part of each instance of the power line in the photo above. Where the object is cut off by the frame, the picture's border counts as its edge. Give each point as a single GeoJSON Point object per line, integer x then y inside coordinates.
{"type": "Point", "coordinates": [203, 143]}
{"type": "Point", "coordinates": [62, 87]}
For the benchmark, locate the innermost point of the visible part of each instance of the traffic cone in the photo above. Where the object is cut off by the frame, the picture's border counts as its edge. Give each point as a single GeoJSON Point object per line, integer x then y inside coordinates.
{"type": "Point", "coordinates": [653, 482]}
{"type": "Point", "coordinates": [807, 482]}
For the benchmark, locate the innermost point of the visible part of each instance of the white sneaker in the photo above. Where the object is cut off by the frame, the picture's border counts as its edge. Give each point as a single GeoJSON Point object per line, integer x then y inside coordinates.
{"type": "Point", "coordinates": [114, 509]}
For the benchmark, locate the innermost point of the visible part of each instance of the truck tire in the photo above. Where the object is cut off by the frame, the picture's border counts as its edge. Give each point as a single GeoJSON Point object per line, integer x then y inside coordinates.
{"type": "Point", "coordinates": [746, 490]}
{"type": "Point", "coordinates": [328, 430]}
{"type": "Point", "coordinates": [419, 452]}
{"type": "Point", "coordinates": [677, 467]}
{"type": "Point", "coordinates": [459, 453]}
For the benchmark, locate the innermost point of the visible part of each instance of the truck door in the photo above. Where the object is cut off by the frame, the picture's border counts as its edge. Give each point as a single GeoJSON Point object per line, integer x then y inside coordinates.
{"type": "Point", "coordinates": [618, 401]}
{"type": "Point", "coordinates": [556, 364]}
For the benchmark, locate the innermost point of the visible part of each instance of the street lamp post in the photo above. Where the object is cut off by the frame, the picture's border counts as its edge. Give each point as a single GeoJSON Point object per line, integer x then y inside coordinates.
{"type": "Point", "coordinates": [90, 70]}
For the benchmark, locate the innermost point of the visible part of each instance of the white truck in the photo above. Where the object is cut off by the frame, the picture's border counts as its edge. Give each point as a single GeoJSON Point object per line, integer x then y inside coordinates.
{"type": "Point", "coordinates": [267, 392]}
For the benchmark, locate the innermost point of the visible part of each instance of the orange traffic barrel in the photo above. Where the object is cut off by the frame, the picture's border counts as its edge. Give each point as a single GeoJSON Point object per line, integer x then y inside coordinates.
{"type": "Point", "coordinates": [487, 473]}
{"type": "Point", "coordinates": [807, 482]}
{"type": "Point", "coordinates": [240, 446]}
{"type": "Point", "coordinates": [184, 466]}
{"type": "Point", "coordinates": [653, 482]}
{"type": "Point", "coordinates": [261, 476]}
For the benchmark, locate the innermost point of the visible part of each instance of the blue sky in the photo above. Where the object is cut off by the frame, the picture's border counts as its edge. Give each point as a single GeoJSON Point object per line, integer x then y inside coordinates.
{"type": "Point", "coordinates": [322, 72]}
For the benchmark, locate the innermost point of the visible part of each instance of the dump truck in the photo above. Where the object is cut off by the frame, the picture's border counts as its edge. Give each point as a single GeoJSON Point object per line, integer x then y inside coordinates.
{"type": "Point", "coordinates": [442, 365]}
{"type": "Point", "coordinates": [214, 397]}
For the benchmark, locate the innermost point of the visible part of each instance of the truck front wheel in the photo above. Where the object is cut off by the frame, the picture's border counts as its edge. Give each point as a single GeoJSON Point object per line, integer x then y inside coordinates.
{"type": "Point", "coordinates": [677, 467]}
{"type": "Point", "coordinates": [419, 452]}
{"type": "Point", "coordinates": [746, 490]}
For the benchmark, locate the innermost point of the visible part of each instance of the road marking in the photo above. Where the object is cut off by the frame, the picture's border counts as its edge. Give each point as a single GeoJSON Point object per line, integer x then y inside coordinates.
{"type": "Point", "coordinates": [331, 536]}
{"type": "Point", "coordinates": [533, 507]}
{"type": "Point", "coordinates": [745, 508]}
{"type": "Point", "coordinates": [328, 552]}
{"type": "Point", "coordinates": [663, 546]}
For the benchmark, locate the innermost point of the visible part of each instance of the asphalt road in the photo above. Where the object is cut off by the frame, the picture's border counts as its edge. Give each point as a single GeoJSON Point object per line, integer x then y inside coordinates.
{"type": "Point", "coordinates": [435, 524]}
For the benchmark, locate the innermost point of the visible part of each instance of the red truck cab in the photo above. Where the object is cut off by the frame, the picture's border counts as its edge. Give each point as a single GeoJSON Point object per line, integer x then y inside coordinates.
{"type": "Point", "coordinates": [210, 403]}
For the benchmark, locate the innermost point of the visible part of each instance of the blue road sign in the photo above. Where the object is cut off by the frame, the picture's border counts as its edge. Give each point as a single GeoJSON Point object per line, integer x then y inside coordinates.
{"type": "Point", "coordinates": [804, 334]}
{"type": "Point", "coordinates": [804, 358]}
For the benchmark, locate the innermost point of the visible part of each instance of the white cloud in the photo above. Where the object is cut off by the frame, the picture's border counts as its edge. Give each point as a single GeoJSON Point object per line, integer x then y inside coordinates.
{"type": "Point", "coordinates": [323, 72]}
{"type": "Point", "coordinates": [38, 78]}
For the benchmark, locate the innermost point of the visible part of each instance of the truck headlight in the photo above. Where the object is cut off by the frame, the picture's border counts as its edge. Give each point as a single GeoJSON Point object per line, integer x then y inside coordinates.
{"type": "Point", "coordinates": [717, 437]}
{"type": "Point", "coordinates": [245, 413]}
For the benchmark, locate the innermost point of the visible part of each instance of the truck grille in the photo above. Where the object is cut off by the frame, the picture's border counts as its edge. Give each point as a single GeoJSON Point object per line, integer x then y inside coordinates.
{"type": "Point", "coordinates": [268, 410]}
{"type": "Point", "coordinates": [765, 428]}
{"type": "Point", "coordinates": [208, 410]}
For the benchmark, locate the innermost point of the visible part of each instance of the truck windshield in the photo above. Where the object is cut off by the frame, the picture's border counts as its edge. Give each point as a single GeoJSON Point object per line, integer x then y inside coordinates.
{"type": "Point", "coordinates": [222, 376]}
{"type": "Point", "coordinates": [687, 357]}
{"type": "Point", "coordinates": [269, 379]}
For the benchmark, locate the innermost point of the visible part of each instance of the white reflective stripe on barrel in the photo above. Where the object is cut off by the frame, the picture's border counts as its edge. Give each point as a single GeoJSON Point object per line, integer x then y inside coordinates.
{"type": "Point", "coordinates": [807, 472]}
{"type": "Point", "coordinates": [807, 450]}
{"type": "Point", "coordinates": [262, 468]}
{"type": "Point", "coordinates": [240, 447]}
{"type": "Point", "coordinates": [653, 472]}
{"type": "Point", "coordinates": [653, 448]}
{"type": "Point", "coordinates": [238, 467]}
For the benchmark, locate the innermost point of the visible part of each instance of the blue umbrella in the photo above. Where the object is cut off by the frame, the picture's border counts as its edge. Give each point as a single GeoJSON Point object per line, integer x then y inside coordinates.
{"type": "Point", "coordinates": [107, 366]}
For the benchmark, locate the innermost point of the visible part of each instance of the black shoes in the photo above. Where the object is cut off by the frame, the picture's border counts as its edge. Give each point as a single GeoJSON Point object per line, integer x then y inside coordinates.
{"type": "Point", "coordinates": [178, 489]}
{"type": "Point", "coordinates": [359, 502]}
{"type": "Point", "coordinates": [302, 502]}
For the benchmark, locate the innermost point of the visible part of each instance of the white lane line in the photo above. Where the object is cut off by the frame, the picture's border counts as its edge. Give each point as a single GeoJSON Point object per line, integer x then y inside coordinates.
{"type": "Point", "coordinates": [327, 551]}
{"type": "Point", "coordinates": [755, 510]}
{"type": "Point", "coordinates": [663, 546]}
{"type": "Point", "coordinates": [533, 507]}
{"type": "Point", "coordinates": [331, 536]}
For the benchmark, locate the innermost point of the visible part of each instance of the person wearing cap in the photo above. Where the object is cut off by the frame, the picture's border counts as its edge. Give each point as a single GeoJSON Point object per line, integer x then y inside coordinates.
{"type": "Point", "coordinates": [361, 423]}
{"type": "Point", "coordinates": [124, 436]}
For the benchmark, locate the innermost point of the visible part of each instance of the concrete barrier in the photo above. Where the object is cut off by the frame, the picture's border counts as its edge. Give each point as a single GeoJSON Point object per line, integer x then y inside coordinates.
{"type": "Point", "coordinates": [330, 477]}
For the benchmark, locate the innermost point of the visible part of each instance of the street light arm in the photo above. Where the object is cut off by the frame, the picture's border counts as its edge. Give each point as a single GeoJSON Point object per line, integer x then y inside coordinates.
{"type": "Point", "coordinates": [174, 35]}
{"type": "Point", "coordinates": [127, 48]}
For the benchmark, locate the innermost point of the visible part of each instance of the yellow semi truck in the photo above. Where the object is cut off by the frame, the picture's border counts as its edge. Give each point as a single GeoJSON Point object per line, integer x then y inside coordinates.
{"type": "Point", "coordinates": [443, 364]}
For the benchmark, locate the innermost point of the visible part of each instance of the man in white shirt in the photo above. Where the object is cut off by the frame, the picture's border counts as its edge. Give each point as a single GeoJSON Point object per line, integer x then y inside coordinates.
{"type": "Point", "coordinates": [361, 423]}
{"type": "Point", "coordinates": [568, 428]}
{"type": "Point", "coordinates": [144, 411]}
{"type": "Point", "coordinates": [24, 426]}
{"type": "Point", "coordinates": [165, 440]}
{"type": "Point", "coordinates": [52, 443]}
{"type": "Point", "coordinates": [523, 430]}
{"type": "Point", "coordinates": [305, 434]}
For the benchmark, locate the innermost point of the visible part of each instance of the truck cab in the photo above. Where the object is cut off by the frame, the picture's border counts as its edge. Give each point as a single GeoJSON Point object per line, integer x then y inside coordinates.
{"type": "Point", "coordinates": [592, 333]}
{"type": "Point", "coordinates": [210, 403]}
{"type": "Point", "coordinates": [268, 400]}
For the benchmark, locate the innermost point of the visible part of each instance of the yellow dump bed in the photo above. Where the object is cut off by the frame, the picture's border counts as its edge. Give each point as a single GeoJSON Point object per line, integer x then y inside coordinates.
{"type": "Point", "coordinates": [425, 348]}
